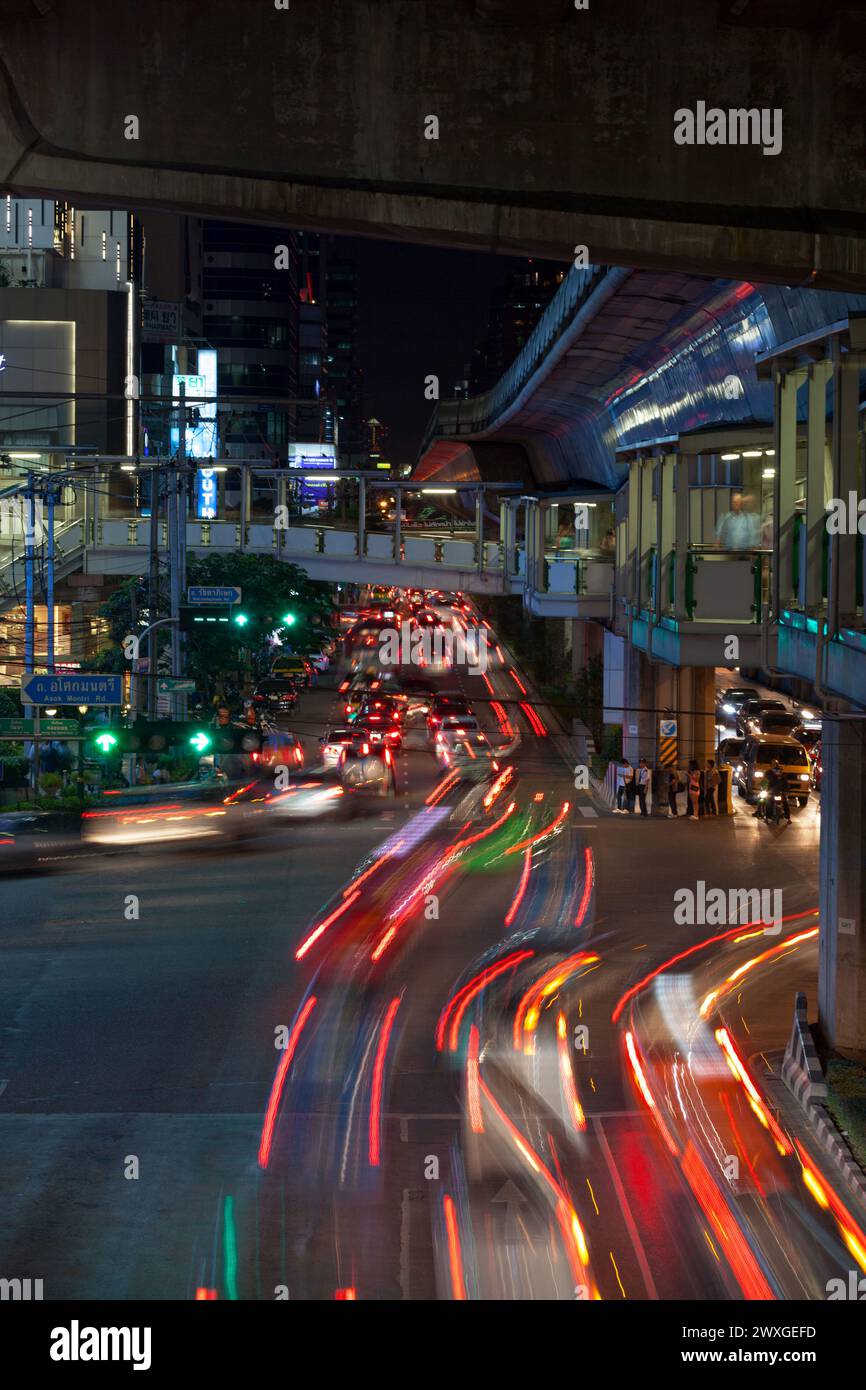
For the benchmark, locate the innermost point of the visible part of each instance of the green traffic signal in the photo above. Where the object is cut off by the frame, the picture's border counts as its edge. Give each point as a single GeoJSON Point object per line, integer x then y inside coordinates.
{"type": "Point", "coordinates": [105, 742]}
{"type": "Point", "coordinates": [289, 619]}
{"type": "Point", "coordinates": [241, 619]}
{"type": "Point", "coordinates": [200, 741]}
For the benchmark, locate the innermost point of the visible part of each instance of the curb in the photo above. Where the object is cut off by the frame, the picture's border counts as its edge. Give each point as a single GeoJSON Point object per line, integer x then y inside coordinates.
{"type": "Point", "coordinates": [804, 1077]}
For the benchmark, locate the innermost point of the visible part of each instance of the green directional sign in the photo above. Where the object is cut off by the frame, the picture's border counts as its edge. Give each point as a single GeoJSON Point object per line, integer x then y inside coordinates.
{"type": "Point", "coordinates": [17, 728]}
{"type": "Point", "coordinates": [48, 728]}
{"type": "Point", "coordinates": [170, 685]}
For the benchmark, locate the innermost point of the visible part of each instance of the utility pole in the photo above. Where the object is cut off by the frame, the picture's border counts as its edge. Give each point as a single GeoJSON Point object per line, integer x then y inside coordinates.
{"type": "Point", "coordinates": [51, 498]}
{"type": "Point", "coordinates": [153, 587]}
{"type": "Point", "coordinates": [174, 549]}
{"type": "Point", "coordinates": [182, 490]}
{"type": "Point", "coordinates": [31, 711]}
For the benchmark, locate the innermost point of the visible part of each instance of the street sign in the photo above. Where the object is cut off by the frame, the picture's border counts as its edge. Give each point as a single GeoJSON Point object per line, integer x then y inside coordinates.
{"type": "Point", "coordinates": [667, 756]}
{"type": "Point", "coordinates": [78, 689]}
{"type": "Point", "coordinates": [201, 593]}
{"type": "Point", "coordinates": [169, 685]}
{"type": "Point", "coordinates": [48, 728]}
{"type": "Point", "coordinates": [17, 728]}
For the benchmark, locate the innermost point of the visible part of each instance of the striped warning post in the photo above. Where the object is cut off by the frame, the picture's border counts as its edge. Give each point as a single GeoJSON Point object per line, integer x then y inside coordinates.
{"type": "Point", "coordinates": [667, 752]}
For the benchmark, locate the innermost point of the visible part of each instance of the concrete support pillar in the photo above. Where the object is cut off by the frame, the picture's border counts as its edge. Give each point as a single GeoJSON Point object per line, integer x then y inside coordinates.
{"type": "Point", "coordinates": [842, 957]}
{"type": "Point", "coordinates": [508, 535]}
{"type": "Point", "coordinates": [842, 602]}
{"type": "Point", "coordinates": [632, 528]}
{"type": "Point", "coordinates": [816, 500]}
{"type": "Point", "coordinates": [786, 386]}
{"type": "Point", "coordinates": [638, 720]}
{"type": "Point", "coordinates": [696, 711]}
{"type": "Point", "coordinates": [646, 528]}
{"type": "Point", "coordinates": [681, 534]}
{"type": "Point", "coordinates": [665, 518]}
{"type": "Point", "coordinates": [587, 638]}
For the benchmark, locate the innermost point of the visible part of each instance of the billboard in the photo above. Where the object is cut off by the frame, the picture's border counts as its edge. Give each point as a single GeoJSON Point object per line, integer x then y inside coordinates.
{"type": "Point", "coordinates": [201, 434]}
{"type": "Point", "coordinates": [309, 459]}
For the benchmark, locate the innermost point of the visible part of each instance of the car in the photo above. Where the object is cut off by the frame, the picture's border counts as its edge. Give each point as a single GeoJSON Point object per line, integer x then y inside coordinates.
{"type": "Point", "coordinates": [730, 701]}
{"type": "Point", "coordinates": [419, 694]}
{"type": "Point", "coordinates": [456, 745]}
{"type": "Point", "coordinates": [448, 703]}
{"type": "Point", "coordinates": [277, 694]}
{"type": "Point", "coordinates": [316, 795]}
{"type": "Point", "coordinates": [280, 749]}
{"type": "Point", "coordinates": [296, 667]}
{"type": "Point", "coordinates": [382, 728]}
{"type": "Point", "coordinates": [809, 735]}
{"type": "Point", "coordinates": [380, 703]}
{"type": "Point", "coordinates": [750, 710]}
{"type": "Point", "coordinates": [775, 721]}
{"type": "Point", "coordinates": [169, 815]}
{"type": "Point", "coordinates": [319, 660]}
{"type": "Point", "coordinates": [759, 754]}
{"type": "Point", "coordinates": [336, 743]}
{"type": "Point", "coordinates": [731, 752]}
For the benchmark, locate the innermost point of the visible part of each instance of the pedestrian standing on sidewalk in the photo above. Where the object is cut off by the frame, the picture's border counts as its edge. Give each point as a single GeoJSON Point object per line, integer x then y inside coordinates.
{"type": "Point", "coordinates": [624, 768]}
{"type": "Point", "coordinates": [630, 788]}
{"type": "Point", "coordinates": [643, 782]}
{"type": "Point", "coordinates": [712, 778]}
{"type": "Point", "coordinates": [694, 790]}
{"type": "Point", "coordinates": [673, 788]}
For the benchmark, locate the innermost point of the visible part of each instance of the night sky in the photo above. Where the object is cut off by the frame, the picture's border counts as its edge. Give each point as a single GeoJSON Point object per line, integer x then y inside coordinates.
{"type": "Point", "coordinates": [422, 309]}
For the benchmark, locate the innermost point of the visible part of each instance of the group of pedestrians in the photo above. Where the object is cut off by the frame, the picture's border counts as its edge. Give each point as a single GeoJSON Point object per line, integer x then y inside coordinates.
{"type": "Point", "coordinates": [632, 784]}
{"type": "Point", "coordinates": [700, 784]}
{"type": "Point", "coordinates": [701, 787]}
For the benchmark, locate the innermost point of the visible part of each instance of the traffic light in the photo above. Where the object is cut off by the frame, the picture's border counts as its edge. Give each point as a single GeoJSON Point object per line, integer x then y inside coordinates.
{"type": "Point", "coordinates": [289, 620]}
{"type": "Point", "coordinates": [229, 738]}
{"type": "Point", "coordinates": [200, 741]}
{"type": "Point", "coordinates": [241, 619]}
{"type": "Point", "coordinates": [145, 736]}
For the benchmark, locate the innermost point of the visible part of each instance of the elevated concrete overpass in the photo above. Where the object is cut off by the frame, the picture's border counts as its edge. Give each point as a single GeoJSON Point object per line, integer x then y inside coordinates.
{"type": "Point", "coordinates": [554, 126]}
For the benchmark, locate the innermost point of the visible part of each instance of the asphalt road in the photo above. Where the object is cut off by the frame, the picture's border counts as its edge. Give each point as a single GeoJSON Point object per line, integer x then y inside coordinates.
{"type": "Point", "coordinates": [184, 1105]}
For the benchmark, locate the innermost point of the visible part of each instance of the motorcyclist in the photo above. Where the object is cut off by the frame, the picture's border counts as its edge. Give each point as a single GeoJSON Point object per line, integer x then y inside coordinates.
{"type": "Point", "coordinates": [777, 787]}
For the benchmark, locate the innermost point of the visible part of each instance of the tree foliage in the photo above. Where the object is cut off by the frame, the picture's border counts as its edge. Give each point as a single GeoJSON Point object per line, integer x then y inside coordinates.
{"type": "Point", "coordinates": [271, 589]}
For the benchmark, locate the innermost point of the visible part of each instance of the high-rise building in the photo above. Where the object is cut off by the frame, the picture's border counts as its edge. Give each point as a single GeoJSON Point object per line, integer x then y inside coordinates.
{"type": "Point", "coordinates": [345, 380]}
{"type": "Point", "coordinates": [315, 423]}
{"type": "Point", "coordinates": [516, 307]}
{"type": "Point", "coordinates": [250, 315]}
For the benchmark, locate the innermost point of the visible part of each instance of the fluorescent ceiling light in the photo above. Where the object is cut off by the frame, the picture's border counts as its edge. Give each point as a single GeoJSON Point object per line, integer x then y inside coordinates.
{"type": "Point", "coordinates": [752, 453]}
{"type": "Point", "coordinates": [726, 457]}
{"type": "Point", "coordinates": [769, 473]}
{"type": "Point", "coordinates": [440, 491]}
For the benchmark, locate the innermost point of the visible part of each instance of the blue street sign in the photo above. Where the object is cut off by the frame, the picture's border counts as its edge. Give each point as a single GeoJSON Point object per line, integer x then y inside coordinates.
{"type": "Point", "coordinates": [667, 728]}
{"type": "Point", "coordinates": [211, 594]}
{"type": "Point", "coordinates": [80, 689]}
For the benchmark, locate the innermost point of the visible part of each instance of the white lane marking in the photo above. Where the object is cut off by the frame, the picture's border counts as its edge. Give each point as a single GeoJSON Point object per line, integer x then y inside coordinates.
{"type": "Point", "coordinates": [587, 811]}
{"type": "Point", "coordinates": [639, 1251]}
